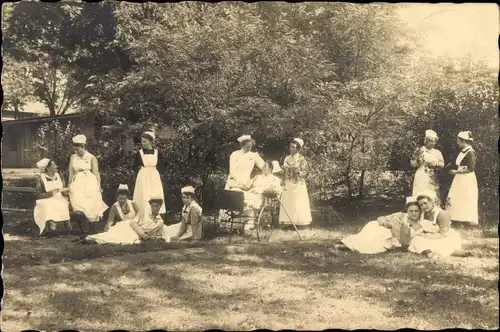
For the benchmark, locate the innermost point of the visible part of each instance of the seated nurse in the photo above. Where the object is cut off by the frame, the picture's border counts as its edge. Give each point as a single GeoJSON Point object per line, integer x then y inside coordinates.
{"type": "Point", "coordinates": [192, 217]}
{"type": "Point", "coordinates": [266, 183]}
{"type": "Point", "coordinates": [149, 225]}
{"type": "Point", "coordinates": [121, 214]}
{"type": "Point", "coordinates": [438, 239]}
{"type": "Point", "coordinates": [51, 206]}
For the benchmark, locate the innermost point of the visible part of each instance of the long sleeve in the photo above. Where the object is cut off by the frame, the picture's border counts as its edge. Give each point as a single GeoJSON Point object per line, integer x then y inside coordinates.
{"type": "Point", "coordinates": [232, 164]}
{"type": "Point", "coordinates": [41, 193]}
{"type": "Point", "coordinates": [259, 162]}
{"type": "Point", "coordinates": [182, 229]}
{"type": "Point", "coordinates": [134, 223]}
{"type": "Point", "coordinates": [71, 170]}
{"type": "Point", "coordinates": [95, 169]}
{"type": "Point", "coordinates": [137, 162]}
{"type": "Point", "coordinates": [160, 166]}
{"type": "Point", "coordinates": [387, 221]}
{"type": "Point", "coordinates": [196, 219]}
{"type": "Point", "coordinates": [469, 161]}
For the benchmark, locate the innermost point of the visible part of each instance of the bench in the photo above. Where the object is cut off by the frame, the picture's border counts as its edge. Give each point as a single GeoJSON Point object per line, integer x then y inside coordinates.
{"type": "Point", "coordinates": [18, 190]}
{"type": "Point", "coordinates": [30, 190]}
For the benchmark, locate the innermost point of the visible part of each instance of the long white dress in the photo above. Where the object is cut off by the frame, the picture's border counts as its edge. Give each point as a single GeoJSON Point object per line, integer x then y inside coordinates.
{"type": "Point", "coordinates": [148, 182]}
{"type": "Point", "coordinates": [442, 244]}
{"type": "Point", "coordinates": [121, 232]}
{"type": "Point", "coordinates": [426, 177]}
{"type": "Point", "coordinates": [383, 234]}
{"type": "Point", "coordinates": [55, 208]}
{"type": "Point", "coordinates": [462, 202]}
{"type": "Point", "coordinates": [372, 239]}
{"type": "Point", "coordinates": [295, 198]}
{"type": "Point", "coordinates": [85, 194]}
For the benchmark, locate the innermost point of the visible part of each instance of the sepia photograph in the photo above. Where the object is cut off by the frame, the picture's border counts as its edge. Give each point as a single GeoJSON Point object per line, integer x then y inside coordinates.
{"type": "Point", "coordinates": [237, 166]}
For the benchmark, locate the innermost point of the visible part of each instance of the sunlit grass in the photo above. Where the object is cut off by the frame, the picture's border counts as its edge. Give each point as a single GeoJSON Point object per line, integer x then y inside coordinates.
{"type": "Point", "coordinates": [247, 285]}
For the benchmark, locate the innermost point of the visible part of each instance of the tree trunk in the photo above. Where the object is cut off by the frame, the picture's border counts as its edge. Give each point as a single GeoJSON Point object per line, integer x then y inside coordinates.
{"type": "Point", "coordinates": [349, 185]}
{"type": "Point", "coordinates": [52, 108]}
{"type": "Point", "coordinates": [347, 174]}
{"type": "Point", "coordinates": [361, 185]}
{"type": "Point", "coordinates": [16, 111]}
{"type": "Point", "coordinates": [362, 177]}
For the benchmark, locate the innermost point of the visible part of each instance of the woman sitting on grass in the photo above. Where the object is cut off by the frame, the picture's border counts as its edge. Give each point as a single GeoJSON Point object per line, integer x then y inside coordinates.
{"type": "Point", "coordinates": [149, 225]}
{"type": "Point", "coordinates": [438, 239]}
{"type": "Point", "coordinates": [191, 226]}
{"type": "Point", "coordinates": [386, 233]}
{"type": "Point", "coordinates": [51, 206]}
{"type": "Point", "coordinates": [121, 214]}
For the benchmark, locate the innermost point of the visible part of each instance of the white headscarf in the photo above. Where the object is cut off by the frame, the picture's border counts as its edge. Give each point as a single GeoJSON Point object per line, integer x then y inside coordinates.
{"type": "Point", "coordinates": [80, 139]}
{"type": "Point", "coordinates": [299, 141]}
{"type": "Point", "coordinates": [466, 135]}
{"type": "Point", "coordinates": [243, 138]}
{"type": "Point", "coordinates": [42, 164]}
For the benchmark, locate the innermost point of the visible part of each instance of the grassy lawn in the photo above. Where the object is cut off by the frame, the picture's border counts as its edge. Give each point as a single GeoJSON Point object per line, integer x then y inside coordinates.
{"type": "Point", "coordinates": [235, 283]}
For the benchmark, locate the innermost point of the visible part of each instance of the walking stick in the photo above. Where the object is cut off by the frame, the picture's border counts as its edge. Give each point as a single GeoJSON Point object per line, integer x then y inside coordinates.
{"type": "Point", "coordinates": [294, 226]}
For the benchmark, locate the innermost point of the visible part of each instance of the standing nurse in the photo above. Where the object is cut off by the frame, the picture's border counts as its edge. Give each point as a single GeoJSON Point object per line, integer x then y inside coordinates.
{"type": "Point", "coordinates": [148, 182]}
{"type": "Point", "coordinates": [295, 198]}
{"type": "Point", "coordinates": [241, 165]}
{"type": "Point", "coordinates": [462, 202]}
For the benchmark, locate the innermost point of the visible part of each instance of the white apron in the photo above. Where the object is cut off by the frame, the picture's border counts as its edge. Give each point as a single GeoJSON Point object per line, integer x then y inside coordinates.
{"type": "Point", "coordinates": [85, 194]}
{"type": "Point", "coordinates": [148, 183]}
{"type": "Point", "coordinates": [55, 208]}
{"type": "Point", "coordinates": [444, 246]}
{"type": "Point", "coordinates": [424, 178]}
{"type": "Point", "coordinates": [295, 200]}
{"type": "Point", "coordinates": [462, 202]}
{"type": "Point", "coordinates": [372, 239]}
{"type": "Point", "coordinates": [121, 232]}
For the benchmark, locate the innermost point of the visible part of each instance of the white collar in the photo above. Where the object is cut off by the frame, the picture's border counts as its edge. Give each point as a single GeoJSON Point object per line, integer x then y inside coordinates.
{"type": "Point", "coordinates": [50, 177]}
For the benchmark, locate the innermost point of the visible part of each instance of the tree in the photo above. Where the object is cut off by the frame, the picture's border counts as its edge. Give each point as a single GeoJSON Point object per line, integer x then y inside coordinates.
{"type": "Point", "coordinates": [66, 46]}
{"type": "Point", "coordinates": [268, 69]}
{"type": "Point", "coordinates": [16, 84]}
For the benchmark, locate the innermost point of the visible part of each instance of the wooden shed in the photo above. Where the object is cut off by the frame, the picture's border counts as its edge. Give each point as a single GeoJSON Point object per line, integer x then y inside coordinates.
{"type": "Point", "coordinates": [19, 137]}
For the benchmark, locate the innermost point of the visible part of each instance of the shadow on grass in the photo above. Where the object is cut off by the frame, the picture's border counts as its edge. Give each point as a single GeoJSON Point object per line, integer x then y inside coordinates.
{"type": "Point", "coordinates": [197, 282]}
{"type": "Point", "coordinates": [177, 285]}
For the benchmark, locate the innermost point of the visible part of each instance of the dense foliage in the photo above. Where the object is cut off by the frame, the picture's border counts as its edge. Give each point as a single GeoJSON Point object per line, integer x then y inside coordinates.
{"type": "Point", "coordinates": [335, 74]}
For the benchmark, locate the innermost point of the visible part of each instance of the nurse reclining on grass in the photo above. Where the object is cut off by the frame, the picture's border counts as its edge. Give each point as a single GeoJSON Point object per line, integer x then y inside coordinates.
{"type": "Point", "coordinates": [387, 232]}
